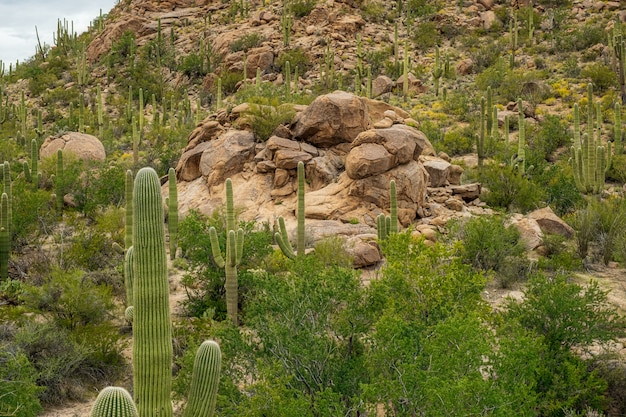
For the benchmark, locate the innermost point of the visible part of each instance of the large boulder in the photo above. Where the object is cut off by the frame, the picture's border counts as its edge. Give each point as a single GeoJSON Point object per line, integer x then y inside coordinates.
{"type": "Point", "coordinates": [226, 156]}
{"type": "Point", "coordinates": [550, 223]}
{"type": "Point", "coordinates": [332, 119]}
{"type": "Point", "coordinates": [82, 145]}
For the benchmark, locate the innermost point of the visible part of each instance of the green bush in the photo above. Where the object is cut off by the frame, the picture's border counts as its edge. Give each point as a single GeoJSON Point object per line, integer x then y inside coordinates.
{"type": "Point", "coordinates": [506, 188]}
{"type": "Point", "coordinates": [488, 242]}
{"type": "Point", "coordinates": [457, 142]}
{"type": "Point", "coordinates": [602, 77]}
{"type": "Point", "coordinates": [297, 57]}
{"type": "Point", "coordinates": [425, 35]}
{"type": "Point", "coordinates": [581, 37]}
{"type": "Point", "coordinates": [246, 42]}
{"type": "Point", "coordinates": [18, 387]}
{"type": "Point", "coordinates": [301, 8]}
{"type": "Point", "coordinates": [264, 118]}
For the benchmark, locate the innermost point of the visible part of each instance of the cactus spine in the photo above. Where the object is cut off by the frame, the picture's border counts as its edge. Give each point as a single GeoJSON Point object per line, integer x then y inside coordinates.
{"type": "Point", "coordinates": [389, 224]}
{"type": "Point", "coordinates": [234, 252]}
{"type": "Point", "coordinates": [172, 216]}
{"type": "Point", "coordinates": [114, 402]}
{"type": "Point", "coordinates": [281, 238]}
{"type": "Point", "coordinates": [152, 348]}
{"type": "Point", "coordinates": [204, 380]}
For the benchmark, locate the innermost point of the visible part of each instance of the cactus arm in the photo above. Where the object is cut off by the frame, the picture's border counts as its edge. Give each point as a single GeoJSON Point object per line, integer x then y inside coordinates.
{"type": "Point", "coordinates": [215, 248]}
{"type": "Point", "coordinates": [152, 333]}
{"type": "Point", "coordinates": [128, 276]}
{"type": "Point", "coordinates": [204, 381]}
{"type": "Point", "coordinates": [283, 240]}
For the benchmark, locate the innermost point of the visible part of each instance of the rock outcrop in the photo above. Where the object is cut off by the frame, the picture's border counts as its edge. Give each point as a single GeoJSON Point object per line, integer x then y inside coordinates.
{"type": "Point", "coordinates": [349, 166]}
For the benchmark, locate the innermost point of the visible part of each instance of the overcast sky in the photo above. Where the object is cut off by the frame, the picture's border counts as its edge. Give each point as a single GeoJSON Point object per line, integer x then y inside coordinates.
{"type": "Point", "coordinates": [18, 19]}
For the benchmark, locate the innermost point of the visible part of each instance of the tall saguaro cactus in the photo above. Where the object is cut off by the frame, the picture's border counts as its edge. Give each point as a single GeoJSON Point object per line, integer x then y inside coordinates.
{"type": "Point", "coordinates": [281, 237]}
{"type": "Point", "coordinates": [152, 346]}
{"type": "Point", "coordinates": [172, 216]}
{"type": "Point", "coordinates": [5, 239]}
{"type": "Point", "coordinates": [234, 252]}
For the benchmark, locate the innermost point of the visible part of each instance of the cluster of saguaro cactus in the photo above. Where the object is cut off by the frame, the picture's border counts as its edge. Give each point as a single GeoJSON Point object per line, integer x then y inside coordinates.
{"type": "Point", "coordinates": [152, 345]}
{"type": "Point", "coordinates": [389, 224]}
{"type": "Point", "coordinates": [589, 158]}
{"type": "Point", "coordinates": [281, 237]}
{"type": "Point", "coordinates": [234, 252]}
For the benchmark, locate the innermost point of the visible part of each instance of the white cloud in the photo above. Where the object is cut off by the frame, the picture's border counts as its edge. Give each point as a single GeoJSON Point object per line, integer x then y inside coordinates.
{"type": "Point", "coordinates": [19, 19]}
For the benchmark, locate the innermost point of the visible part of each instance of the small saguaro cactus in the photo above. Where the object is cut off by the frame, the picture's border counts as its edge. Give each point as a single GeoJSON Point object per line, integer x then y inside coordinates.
{"type": "Point", "coordinates": [389, 224]}
{"type": "Point", "coordinates": [204, 380]}
{"type": "Point", "coordinates": [234, 252]}
{"type": "Point", "coordinates": [114, 402]}
{"type": "Point", "coordinates": [128, 195]}
{"type": "Point", "coordinates": [281, 237]}
{"type": "Point", "coordinates": [172, 216]}
{"type": "Point", "coordinates": [519, 161]}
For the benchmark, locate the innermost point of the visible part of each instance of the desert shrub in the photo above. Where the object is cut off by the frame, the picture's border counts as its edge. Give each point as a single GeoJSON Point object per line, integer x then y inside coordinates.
{"type": "Point", "coordinates": [301, 8]}
{"type": "Point", "coordinates": [264, 118]}
{"type": "Point", "coordinates": [551, 134]}
{"type": "Point", "coordinates": [422, 8]}
{"type": "Point", "coordinates": [36, 215]}
{"type": "Point", "coordinates": [561, 193]}
{"type": "Point", "coordinates": [457, 142]}
{"type": "Point", "coordinates": [192, 65]}
{"type": "Point", "coordinates": [18, 387]}
{"type": "Point", "coordinates": [493, 76]}
{"type": "Point", "coordinates": [565, 316]}
{"type": "Point", "coordinates": [373, 11]}
{"type": "Point", "coordinates": [246, 42]}
{"type": "Point", "coordinates": [425, 35]}
{"type": "Point", "coordinates": [488, 242]}
{"type": "Point", "coordinates": [123, 49]}
{"type": "Point", "coordinates": [523, 84]}
{"type": "Point", "coordinates": [331, 252]}
{"type": "Point", "coordinates": [611, 226]}
{"type": "Point", "coordinates": [297, 58]}
{"type": "Point", "coordinates": [68, 300]}
{"type": "Point", "coordinates": [230, 80]}
{"type": "Point", "coordinates": [67, 363]}
{"type": "Point", "coordinates": [581, 37]}
{"type": "Point", "coordinates": [600, 75]}
{"type": "Point", "coordinates": [508, 189]}
{"type": "Point", "coordinates": [488, 54]}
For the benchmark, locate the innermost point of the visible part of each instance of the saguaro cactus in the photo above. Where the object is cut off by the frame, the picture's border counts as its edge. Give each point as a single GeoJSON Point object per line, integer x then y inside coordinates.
{"type": "Point", "coordinates": [389, 224]}
{"type": "Point", "coordinates": [128, 195]}
{"type": "Point", "coordinates": [281, 237]}
{"type": "Point", "coordinates": [204, 380]}
{"type": "Point", "coordinates": [234, 252]}
{"type": "Point", "coordinates": [172, 216]}
{"type": "Point", "coordinates": [31, 173]}
{"type": "Point", "coordinates": [152, 346]}
{"type": "Point", "coordinates": [114, 402]}
{"type": "Point", "coordinates": [5, 240]}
